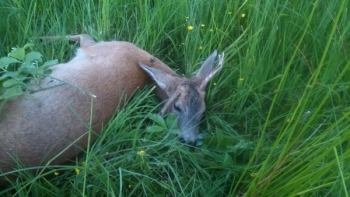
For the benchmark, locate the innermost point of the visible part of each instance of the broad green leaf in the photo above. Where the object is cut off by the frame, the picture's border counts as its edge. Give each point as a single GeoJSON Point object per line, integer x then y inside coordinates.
{"type": "Point", "coordinates": [22, 77]}
{"type": "Point", "coordinates": [33, 70]}
{"type": "Point", "coordinates": [32, 56]}
{"type": "Point", "coordinates": [28, 45]}
{"type": "Point", "coordinates": [10, 82]}
{"type": "Point", "coordinates": [219, 141]}
{"type": "Point", "coordinates": [27, 70]}
{"type": "Point", "coordinates": [23, 70]}
{"type": "Point", "coordinates": [171, 121]}
{"type": "Point", "coordinates": [18, 53]}
{"type": "Point", "coordinates": [39, 72]}
{"type": "Point", "coordinates": [49, 63]}
{"type": "Point", "coordinates": [9, 74]}
{"type": "Point", "coordinates": [48, 72]}
{"type": "Point", "coordinates": [174, 131]}
{"type": "Point", "coordinates": [4, 61]}
{"type": "Point", "coordinates": [158, 119]}
{"type": "Point", "coordinates": [12, 92]}
{"type": "Point", "coordinates": [154, 129]}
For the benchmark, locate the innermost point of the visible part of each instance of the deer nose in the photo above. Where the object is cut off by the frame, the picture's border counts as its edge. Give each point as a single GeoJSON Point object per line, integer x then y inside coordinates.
{"type": "Point", "coordinates": [190, 143]}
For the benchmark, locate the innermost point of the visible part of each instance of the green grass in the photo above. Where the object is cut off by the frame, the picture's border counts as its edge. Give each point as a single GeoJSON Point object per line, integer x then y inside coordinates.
{"type": "Point", "coordinates": [278, 114]}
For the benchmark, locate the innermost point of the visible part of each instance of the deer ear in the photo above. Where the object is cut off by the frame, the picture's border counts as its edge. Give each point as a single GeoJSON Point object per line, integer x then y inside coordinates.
{"type": "Point", "coordinates": [163, 80]}
{"type": "Point", "coordinates": [207, 71]}
{"type": "Point", "coordinates": [207, 66]}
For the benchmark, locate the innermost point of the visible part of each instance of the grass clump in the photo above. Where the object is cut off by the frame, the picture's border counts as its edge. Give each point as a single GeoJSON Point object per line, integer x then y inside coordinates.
{"type": "Point", "coordinates": [277, 120]}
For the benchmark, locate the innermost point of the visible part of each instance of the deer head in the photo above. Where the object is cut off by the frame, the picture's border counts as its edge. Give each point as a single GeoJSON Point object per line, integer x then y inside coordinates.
{"type": "Point", "coordinates": [186, 95]}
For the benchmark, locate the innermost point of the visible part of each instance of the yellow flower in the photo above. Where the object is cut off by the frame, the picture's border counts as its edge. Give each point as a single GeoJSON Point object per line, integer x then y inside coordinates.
{"type": "Point", "coordinates": [202, 25]}
{"type": "Point", "coordinates": [241, 79]}
{"type": "Point", "coordinates": [211, 30]}
{"type": "Point", "coordinates": [200, 47]}
{"type": "Point", "coordinates": [229, 12]}
{"type": "Point", "coordinates": [190, 28]}
{"type": "Point", "coordinates": [243, 15]}
{"type": "Point", "coordinates": [77, 170]}
{"type": "Point", "coordinates": [56, 173]}
{"type": "Point", "coordinates": [253, 174]}
{"type": "Point", "coordinates": [141, 152]}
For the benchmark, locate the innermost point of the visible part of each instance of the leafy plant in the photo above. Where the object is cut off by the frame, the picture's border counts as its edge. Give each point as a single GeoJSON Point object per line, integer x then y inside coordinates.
{"type": "Point", "coordinates": [19, 68]}
{"type": "Point", "coordinates": [167, 124]}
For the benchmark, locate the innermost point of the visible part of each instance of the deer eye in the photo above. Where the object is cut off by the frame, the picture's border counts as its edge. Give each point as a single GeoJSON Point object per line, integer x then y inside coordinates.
{"type": "Point", "coordinates": [177, 108]}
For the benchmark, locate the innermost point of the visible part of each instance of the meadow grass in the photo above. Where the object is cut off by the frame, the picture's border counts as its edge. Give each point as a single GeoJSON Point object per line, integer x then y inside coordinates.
{"type": "Point", "coordinates": [277, 120]}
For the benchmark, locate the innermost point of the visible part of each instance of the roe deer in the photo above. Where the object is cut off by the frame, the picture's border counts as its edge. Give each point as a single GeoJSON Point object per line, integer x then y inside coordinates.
{"type": "Point", "coordinates": [37, 126]}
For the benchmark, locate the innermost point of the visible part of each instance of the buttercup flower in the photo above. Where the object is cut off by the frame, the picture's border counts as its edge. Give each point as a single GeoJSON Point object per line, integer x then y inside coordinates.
{"type": "Point", "coordinates": [190, 28]}
{"type": "Point", "coordinates": [141, 152]}
{"type": "Point", "coordinates": [253, 174]}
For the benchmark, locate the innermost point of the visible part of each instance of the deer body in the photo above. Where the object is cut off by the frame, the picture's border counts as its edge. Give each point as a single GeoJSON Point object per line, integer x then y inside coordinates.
{"type": "Point", "coordinates": [36, 127]}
